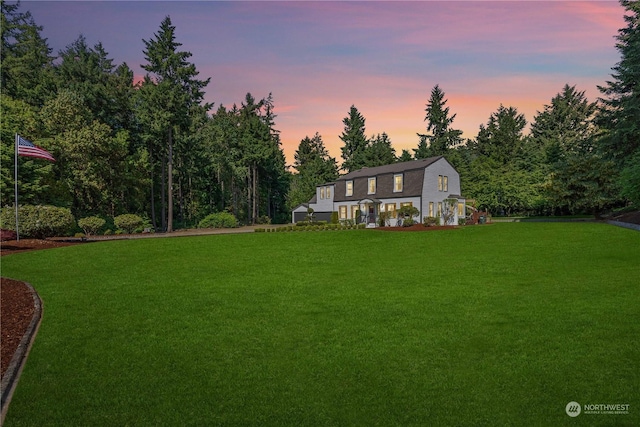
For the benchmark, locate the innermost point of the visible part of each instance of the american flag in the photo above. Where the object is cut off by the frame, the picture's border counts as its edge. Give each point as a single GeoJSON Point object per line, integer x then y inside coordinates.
{"type": "Point", "coordinates": [28, 149]}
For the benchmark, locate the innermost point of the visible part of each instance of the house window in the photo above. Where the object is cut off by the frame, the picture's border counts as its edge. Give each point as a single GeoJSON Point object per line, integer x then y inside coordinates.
{"type": "Point", "coordinates": [372, 186]}
{"type": "Point", "coordinates": [391, 208]}
{"type": "Point", "coordinates": [328, 192]}
{"type": "Point", "coordinates": [343, 212]}
{"type": "Point", "coordinates": [431, 209]}
{"type": "Point", "coordinates": [439, 182]}
{"type": "Point", "coordinates": [397, 183]}
{"type": "Point", "coordinates": [322, 192]}
{"type": "Point", "coordinates": [439, 208]}
{"type": "Point", "coordinates": [349, 191]}
{"type": "Point", "coordinates": [406, 204]}
{"type": "Point", "coordinates": [445, 183]}
{"type": "Point", "coordinates": [354, 211]}
{"type": "Point", "coordinates": [460, 209]}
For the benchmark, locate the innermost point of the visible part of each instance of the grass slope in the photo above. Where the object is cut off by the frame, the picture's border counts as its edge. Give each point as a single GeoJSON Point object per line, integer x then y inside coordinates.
{"type": "Point", "coordinates": [494, 325]}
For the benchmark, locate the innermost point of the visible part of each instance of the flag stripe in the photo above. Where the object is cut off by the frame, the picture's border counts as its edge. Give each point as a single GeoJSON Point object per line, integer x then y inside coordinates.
{"type": "Point", "coordinates": [28, 149]}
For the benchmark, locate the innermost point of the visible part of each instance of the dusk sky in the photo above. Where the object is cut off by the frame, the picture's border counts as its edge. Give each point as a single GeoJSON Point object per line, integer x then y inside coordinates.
{"type": "Point", "coordinates": [319, 58]}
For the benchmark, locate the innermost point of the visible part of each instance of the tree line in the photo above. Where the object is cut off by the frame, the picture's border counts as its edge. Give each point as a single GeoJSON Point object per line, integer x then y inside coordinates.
{"type": "Point", "coordinates": [155, 148]}
{"type": "Point", "coordinates": [579, 156]}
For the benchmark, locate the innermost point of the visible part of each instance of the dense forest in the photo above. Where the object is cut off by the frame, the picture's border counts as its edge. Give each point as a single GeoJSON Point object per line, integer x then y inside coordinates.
{"type": "Point", "coordinates": [156, 149]}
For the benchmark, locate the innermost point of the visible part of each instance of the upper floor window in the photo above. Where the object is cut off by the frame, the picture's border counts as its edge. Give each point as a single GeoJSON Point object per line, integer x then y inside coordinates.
{"type": "Point", "coordinates": [349, 191]}
{"type": "Point", "coordinates": [328, 192]}
{"type": "Point", "coordinates": [322, 192]}
{"type": "Point", "coordinates": [372, 186]}
{"type": "Point", "coordinates": [397, 183]}
{"type": "Point", "coordinates": [443, 183]}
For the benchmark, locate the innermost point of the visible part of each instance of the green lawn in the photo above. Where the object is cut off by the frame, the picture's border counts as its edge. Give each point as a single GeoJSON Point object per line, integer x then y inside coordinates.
{"type": "Point", "coordinates": [494, 325]}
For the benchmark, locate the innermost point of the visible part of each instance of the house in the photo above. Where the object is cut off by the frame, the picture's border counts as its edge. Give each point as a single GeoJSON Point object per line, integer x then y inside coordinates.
{"type": "Point", "coordinates": [431, 185]}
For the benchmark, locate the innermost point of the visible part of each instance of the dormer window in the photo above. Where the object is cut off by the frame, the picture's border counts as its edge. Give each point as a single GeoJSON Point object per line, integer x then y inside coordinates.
{"type": "Point", "coordinates": [328, 192]}
{"type": "Point", "coordinates": [322, 192]}
{"type": "Point", "coordinates": [349, 191]}
{"type": "Point", "coordinates": [372, 186]}
{"type": "Point", "coordinates": [398, 183]}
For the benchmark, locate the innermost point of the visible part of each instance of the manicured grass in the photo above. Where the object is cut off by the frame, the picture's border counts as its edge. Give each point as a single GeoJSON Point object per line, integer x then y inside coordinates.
{"type": "Point", "coordinates": [494, 325]}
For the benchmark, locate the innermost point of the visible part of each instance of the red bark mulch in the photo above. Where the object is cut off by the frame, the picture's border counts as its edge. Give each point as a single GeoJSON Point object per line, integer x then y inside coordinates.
{"type": "Point", "coordinates": [418, 227]}
{"type": "Point", "coordinates": [25, 245]}
{"type": "Point", "coordinates": [16, 311]}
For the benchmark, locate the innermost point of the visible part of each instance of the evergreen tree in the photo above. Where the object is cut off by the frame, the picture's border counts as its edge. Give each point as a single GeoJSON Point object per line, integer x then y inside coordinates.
{"type": "Point", "coordinates": [314, 166]}
{"type": "Point", "coordinates": [355, 141]}
{"type": "Point", "coordinates": [25, 57]}
{"type": "Point", "coordinates": [578, 178]}
{"type": "Point", "coordinates": [440, 137]}
{"type": "Point", "coordinates": [619, 113]}
{"type": "Point", "coordinates": [173, 93]}
{"type": "Point", "coordinates": [405, 156]}
{"type": "Point", "coordinates": [379, 151]}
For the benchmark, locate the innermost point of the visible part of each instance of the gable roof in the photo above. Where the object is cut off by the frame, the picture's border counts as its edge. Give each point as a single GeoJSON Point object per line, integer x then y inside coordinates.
{"type": "Point", "coordinates": [392, 168]}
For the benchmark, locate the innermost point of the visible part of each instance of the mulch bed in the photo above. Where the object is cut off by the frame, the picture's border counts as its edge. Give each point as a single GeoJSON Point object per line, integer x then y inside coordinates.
{"type": "Point", "coordinates": [25, 245]}
{"type": "Point", "coordinates": [418, 227]}
{"type": "Point", "coordinates": [16, 311]}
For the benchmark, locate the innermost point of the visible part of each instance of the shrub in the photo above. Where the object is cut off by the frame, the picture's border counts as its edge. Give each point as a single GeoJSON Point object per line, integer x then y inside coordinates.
{"type": "Point", "coordinates": [79, 235]}
{"type": "Point", "coordinates": [408, 222]}
{"type": "Point", "coordinates": [128, 222]}
{"type": "Point", "coordinates": [462, 221]}
{"type": "Point", "coordinates": [301, 223]}
{"type": "Point", "coordinates": [334, 217]}
{"type": "Point", "coordinates": [39, 221]}
{"type": "Point", "coordinates": [108, 232]}
{"type": "Point", "coordinates": [429, 221]}
{"type": "Point", "coordinates": [91, 225]}
{"type": "Point", "coordinates": [264, 219]}
{"type": "Point", "coordinates": [219, 220]}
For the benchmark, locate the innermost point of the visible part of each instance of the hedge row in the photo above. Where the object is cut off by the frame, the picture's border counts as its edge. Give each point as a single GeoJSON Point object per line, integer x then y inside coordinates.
{"type": "Point", "coordinates": [40, 222]}
{"type": "Point", "coordinates": [297, 227]}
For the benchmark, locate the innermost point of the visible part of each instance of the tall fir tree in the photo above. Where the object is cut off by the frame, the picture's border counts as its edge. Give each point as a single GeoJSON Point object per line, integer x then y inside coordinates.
{"type": "Point", "coordinates": [441, 137]}
{"type": "Point", "coordinates": [355, 141]}
{"type": "Point", "coordinates": [174, 91]}
{"type": "Point", "coordinates": [314, 166]}
{"type": "Point", "coordinates": [619, 113]}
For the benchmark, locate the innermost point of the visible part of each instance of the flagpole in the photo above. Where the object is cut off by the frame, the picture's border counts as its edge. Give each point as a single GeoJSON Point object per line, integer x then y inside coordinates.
{"type": "Point", "coordinates": [15, 181]}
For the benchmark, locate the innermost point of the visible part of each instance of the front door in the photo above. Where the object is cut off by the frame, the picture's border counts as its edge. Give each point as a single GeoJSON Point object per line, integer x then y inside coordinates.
{"type": "Point", "coordinates": [372, 214]}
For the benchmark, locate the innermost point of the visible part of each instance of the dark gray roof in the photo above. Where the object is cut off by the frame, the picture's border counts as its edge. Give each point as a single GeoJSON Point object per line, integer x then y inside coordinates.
{"type": "Point", "coordinates": [392, 168]}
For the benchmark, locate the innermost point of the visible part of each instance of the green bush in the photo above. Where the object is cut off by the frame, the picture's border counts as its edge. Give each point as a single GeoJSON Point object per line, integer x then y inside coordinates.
{"type": "Point", "coordinates": [259, 230]}
{"type": "Point", "coordinates": [429, 221]}
{"type": "Point", "coordinates": [91, 225]}
{"type": "Point", "coordinates": [264, 219]}
{"type": "Point", "coordinates": [128, 222]}
{"type": "Point", "coordinates": [219, 220]}
{"type": "Point", "coordinates": [334, 217]}
{"type": "Point", "coordinates": [408, 222]}
{"type": "Point", "coordinates": [79, 235]}
{"type": "Point", "coordinates": [108, 232]}
{"type": "Point", "coordinates": [39, 221]}
{"type": "Point", "coordinates": [301, 223]}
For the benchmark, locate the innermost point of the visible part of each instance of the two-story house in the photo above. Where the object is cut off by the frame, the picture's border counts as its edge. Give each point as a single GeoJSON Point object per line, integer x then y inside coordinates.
{"type": "Point", "coordinates": [363, 194]}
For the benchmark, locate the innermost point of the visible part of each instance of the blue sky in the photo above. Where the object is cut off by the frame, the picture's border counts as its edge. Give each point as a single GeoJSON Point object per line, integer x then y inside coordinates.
{"type": "Point", "coordinates": [319, 58]}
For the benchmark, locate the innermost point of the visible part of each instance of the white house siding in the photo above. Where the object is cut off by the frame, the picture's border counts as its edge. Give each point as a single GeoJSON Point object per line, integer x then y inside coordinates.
{"type": "Point", "coordinates": [415, 201]}
{"type": "Point", "coordinates": [430, 191]}
{"type": "Point", "coordinates": [324, 204]}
